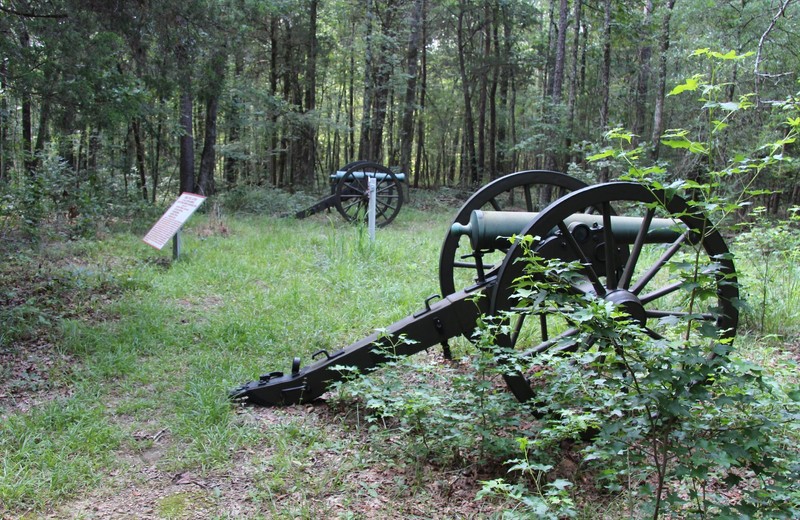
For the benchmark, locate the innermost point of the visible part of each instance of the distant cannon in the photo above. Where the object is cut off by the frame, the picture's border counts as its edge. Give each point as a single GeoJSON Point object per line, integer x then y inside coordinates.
{"type": "Point", "coordinates": [625, 260]}
{"type": "Point", "coordinates": [350, 193]}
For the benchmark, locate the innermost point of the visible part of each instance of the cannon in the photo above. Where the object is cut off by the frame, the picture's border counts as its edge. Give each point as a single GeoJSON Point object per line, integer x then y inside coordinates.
{"type": "Point", "coordinates": [627, 237]}
{"type": "Point", "coordinates": [350, 193]}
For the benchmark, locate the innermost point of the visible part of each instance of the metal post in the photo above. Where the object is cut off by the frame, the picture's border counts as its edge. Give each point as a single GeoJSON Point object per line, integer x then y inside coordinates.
{"type": "Point", "coordinates": [176, 245]}
{"type": "Point", "coordinates": [373, 188]}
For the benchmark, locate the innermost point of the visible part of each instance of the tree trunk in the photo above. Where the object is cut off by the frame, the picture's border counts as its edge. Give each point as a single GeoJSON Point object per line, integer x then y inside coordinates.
{"type": "Point", "coordinates": [661, 89]}
{"type": "Point", "coordinates": [350, 144]}
{"type": "Point", "coordinates": [605, 71]}
{"type": "Point", "coordinates": [231, 168]}
{"type": "Point", "coordinates": [483, 92]}
{"type": "Point", "coordinates": [422, 87]}
{"type": "Point", "coordinates": [407, 123]}
{"type": "Point", "coordinates": [208, 157]}
{"type": "Point", "coordinates": [642, 76]}
{"type": "Point", "coordinates": [187, 139]}
{"type": "Point", "coordinates": [469, 165]}
{"type": "Point", "coordinates": [308, 131]}
{"type": "Point", "coordinates": [27, 119]}
{"type": "Point", "coordinates": [364, 146]}
{"type": "Point", "coordinates": [504, 62]}
{"type": "Point", "coordinates": [4, 126]}
{"type": "Point", "coordinates": [573, 76]}
{"type": "Point", "coordinates": [492, 139]}
{"type": "Point", "coordinates": [561, 51]}
{"type": "Point", "coordinates": [138, 141]}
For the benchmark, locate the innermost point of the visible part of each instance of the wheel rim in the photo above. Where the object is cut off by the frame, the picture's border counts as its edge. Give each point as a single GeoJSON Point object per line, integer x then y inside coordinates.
{"type": "Point", "coordinates": [648, 292]}
{"type": "Point", "coordinates": [530, 190]}
{"type": "Point", "coordinates": [352, 191]}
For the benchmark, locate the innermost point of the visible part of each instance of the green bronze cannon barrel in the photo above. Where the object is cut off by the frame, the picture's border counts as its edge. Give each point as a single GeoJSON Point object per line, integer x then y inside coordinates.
{"type": "Point", "coordinates": [492, 229]}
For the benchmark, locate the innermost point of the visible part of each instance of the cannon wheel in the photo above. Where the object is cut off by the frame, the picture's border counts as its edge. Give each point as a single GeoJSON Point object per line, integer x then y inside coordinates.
{"type": "Point", "coordinates": [653, 294]}
{"type": "Point", "coordinates": [352, 193]}
{"type": "Point", "coordinates": [530, 190]}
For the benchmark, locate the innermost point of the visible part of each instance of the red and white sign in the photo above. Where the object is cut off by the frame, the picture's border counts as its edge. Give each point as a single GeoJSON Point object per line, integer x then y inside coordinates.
{"type": "Point", "coordinates": [171, 221]}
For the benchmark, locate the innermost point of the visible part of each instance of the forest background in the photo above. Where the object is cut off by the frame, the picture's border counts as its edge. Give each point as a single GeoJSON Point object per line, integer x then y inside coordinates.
{"type": "Point", "coordinates": [110, 108]}
{"type": "Point", "coordinates": [141, 99]}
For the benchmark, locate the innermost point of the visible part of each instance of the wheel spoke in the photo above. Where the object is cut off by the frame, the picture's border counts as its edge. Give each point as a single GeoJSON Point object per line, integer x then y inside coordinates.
{"type": "Point", "coordinates": [610, 248]}
{"type": "Point", "coordinates": [656, 267]}
{"type": "Point", "coordinates": [653, 334]}
{"type": "Point", "coordinates": [707, 316]}
{"type": "Point", "coordinates": [658, 293]}
{"type": "Point", "coordinates": [598, 286]}
{"type": "Point", "coordinates": [638, 244]}
{"type": "Point", "coordinates": [517, 328]}
{"type": "Point", "coordinates": [545, 345]}
{"type": "Point", "coordinates": [543, 326]}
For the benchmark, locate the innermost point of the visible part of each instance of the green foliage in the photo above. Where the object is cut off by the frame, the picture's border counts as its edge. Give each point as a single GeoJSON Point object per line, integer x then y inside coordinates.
{"type": "Point", "coordinates": [725, 180]}
{"type": "Point", "coordinates": [452, 415]}
{"type": "Point", "coordinates": [772, 245]}
{"type": "Point", "coordinates": [533, 495]}
{"type": "Point", "coordinates": [263, 201]}
{"type": "Point", "coordinates": [670, 425]}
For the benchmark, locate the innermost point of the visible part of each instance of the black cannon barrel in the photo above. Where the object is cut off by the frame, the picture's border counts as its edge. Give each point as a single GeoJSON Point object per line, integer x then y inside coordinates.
{"type": "Point", "coordinates": [492, 229]}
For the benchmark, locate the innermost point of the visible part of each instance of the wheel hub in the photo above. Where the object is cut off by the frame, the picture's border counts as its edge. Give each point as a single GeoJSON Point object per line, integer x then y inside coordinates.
{"type": "Point", "coordinates": [629, 303]}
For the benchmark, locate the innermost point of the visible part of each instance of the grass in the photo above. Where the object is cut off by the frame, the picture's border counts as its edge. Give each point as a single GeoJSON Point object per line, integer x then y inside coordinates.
{"type": "Point", "coordinates": [152, 347]}
{"type": "Point", "coordinates": [171, 341]}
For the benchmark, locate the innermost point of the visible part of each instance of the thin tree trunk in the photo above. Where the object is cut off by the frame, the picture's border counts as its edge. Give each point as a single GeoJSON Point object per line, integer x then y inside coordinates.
{"type": "Point", "coordinates": [309, 127]}
{"type": "Point", "coordinates": [469, 166]}
{"type": "Point", "coordinates": [492, 139]}
{"type": "Point", "coordinates": [350, 145]}
{"type": "Point", "coordinates": [4, 125]}
{"type": "Point", "coordinates": [231, 167]}
{"type": "Point", "coordinates": [187, 139]}
{"type": "Point", "coordinates": [364, 145]}
{"type": "Point", "coordinates": [573, 76]}
{"type": "Point", "coordinates": [504, 62]}
{"type": "Point", "coordinates": [483, 91]}
{"type": "Point", "coordinates": [154, 171]}
{"type": "Point", "coordinates": [27, 119]}
{"type": "Point", "coordinates": [661, 89]}
{"type": "Point", "coordinates": [141, 165]}
{"type": "Point", "coordinates": [273, 90]}
{"type": "Point", "coordinates": [407, 123]}
{"type": "Point", "coordinates": [422, 87]}
{"type": "Point", "coordinates": [643, 75]}
{"type": "Point", "coordinates": [561, 51]}
{"type": "Point", "coordinates": [605, 71]}
{"type": "Point", "coordinates": [208, 156]}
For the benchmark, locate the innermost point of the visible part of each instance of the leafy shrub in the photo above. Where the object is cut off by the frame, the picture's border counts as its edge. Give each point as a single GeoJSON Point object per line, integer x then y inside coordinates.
{"type": "Point", "coordinates": [451, 415]}
{"type": "Point", "coordinates": [669, 424]}
{"type": "Point", "coordinates": [263, 200]}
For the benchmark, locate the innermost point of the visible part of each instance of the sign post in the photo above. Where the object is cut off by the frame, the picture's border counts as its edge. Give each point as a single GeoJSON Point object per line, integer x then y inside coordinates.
{"type": "Point", "coordinates": [373, 189]}
{"type": "Point", "coordinates": [169, 225]}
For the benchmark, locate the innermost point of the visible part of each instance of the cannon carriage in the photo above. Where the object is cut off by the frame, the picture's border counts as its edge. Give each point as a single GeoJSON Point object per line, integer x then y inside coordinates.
{"type": "Point", "coordinates": [626, 237]}
{"type": "Point", "coordinates": [349, 195]}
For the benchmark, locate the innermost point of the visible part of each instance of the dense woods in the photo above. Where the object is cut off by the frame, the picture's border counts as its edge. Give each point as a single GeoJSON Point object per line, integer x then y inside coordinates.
{"type": "Point", "coordinates": [145, 98]}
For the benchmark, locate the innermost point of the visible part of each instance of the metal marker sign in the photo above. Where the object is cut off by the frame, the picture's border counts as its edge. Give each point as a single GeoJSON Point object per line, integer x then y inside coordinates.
{"type": "Point", "coordinates": [171, 221]}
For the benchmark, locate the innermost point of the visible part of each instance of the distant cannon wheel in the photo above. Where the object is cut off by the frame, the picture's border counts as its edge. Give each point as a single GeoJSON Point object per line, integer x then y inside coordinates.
{"type": "Point", "coordinates": [352, 193]}
{"type": "Point", "coordinates": [686, 278]}
{"type": "Point", "coordinates": [530, 190]}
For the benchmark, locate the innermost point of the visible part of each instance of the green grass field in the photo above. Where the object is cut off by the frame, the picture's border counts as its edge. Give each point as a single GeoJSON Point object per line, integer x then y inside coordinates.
{"type": "Point", "coordinates": [117, 363]}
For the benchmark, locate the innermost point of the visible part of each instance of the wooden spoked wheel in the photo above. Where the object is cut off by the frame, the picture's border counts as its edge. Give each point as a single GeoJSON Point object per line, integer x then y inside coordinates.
{"type": "Point", "coordinates": [352, 193]}
{"type": "Point", "coordinates": [689, 278]}
{"type": "Point", "coordinates": [530, 191]}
